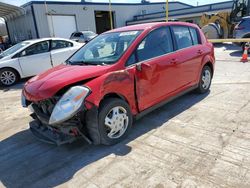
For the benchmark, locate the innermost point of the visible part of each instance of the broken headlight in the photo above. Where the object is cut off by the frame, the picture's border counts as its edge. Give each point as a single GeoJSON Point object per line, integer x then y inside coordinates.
{"type": "Point", "coordinates": [69, 104]}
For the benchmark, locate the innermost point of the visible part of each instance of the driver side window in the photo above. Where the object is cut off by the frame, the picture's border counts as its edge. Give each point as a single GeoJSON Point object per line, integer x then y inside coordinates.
{"type": "Point", "coordinates": [157, 43]}
{"type": "Point", "coordinates": [131, 60]}
{"type": "Point", "coordinates": [37, 48]}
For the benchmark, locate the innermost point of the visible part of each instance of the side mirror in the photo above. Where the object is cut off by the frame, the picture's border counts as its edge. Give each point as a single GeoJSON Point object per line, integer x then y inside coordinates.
{"type": "Point", "coordinates": [143, 66]}
{"type": "Point", "coordinates": [145, 71]}
{"type": "Point", "coordinates": [138, 67]}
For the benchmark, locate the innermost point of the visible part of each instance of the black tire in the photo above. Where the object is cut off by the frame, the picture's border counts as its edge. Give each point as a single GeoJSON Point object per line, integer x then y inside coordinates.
{"type": "Point", "coordinates": [14, 77]}
{"type": "Point", "coordinates": [201, 89]}
{"type": "Point", "coordinates": [104, 111]}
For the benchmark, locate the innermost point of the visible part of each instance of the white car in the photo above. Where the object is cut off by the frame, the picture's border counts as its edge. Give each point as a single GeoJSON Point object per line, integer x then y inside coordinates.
{"type": "Point", "coordinates": [83, 36]}
{"type": "Point", "coordinates": [31, 57]}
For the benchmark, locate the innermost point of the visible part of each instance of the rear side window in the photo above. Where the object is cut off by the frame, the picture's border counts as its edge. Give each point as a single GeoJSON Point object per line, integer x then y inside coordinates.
{"type": "Point", "coordinates": [58, 44]}
{"type": "Point", "coordinates": [38, 48]}
{"type": "Point", "coordinates": [78, 35]}
{"type": "Point", "coordinates": [182, 36]}
{"type": "Point", "coordinates": [194, 35]}
{"type": "Point", "coordinates": [157, 43]}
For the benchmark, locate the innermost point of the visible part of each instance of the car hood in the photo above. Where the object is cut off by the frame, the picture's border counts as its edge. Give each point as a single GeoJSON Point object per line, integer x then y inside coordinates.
{"type": "Point", "coordinates": [47, 84]}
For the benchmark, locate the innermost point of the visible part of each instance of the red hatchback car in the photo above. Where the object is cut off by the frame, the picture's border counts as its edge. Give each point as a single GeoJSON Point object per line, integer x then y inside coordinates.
{"type": "Point", "coordinates": [116, 78]}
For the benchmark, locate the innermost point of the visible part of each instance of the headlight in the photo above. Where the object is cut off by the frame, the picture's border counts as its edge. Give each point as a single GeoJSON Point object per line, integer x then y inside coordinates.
{"type": "Point", "coordinates": [69, 104]}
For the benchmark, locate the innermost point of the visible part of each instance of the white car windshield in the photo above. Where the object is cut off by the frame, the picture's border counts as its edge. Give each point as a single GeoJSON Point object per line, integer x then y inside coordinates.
{"type": "Point", "coordinates": [13, 49]}
{"type": "Point", "coordinates": [104, 49]}
{"type": "Point", "coordinates": [89, 34]}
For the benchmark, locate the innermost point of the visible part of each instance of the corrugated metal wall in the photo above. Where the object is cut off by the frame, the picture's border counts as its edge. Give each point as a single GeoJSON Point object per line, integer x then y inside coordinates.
{"type": "Point", "coordinates": [22, 27]}
{"type": "Point", "coordinates": [184, 14]}
{"type": "Point", "coordinates": [85, 17]}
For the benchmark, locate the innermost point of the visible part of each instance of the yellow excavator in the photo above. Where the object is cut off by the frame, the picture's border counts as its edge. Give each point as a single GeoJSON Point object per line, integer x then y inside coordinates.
{"type": "Point", "coordinates": [221, 25]}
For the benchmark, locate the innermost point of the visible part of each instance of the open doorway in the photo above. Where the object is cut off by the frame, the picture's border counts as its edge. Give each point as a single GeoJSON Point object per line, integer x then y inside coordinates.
{"type": "Point", "coordinates": [102, 21]}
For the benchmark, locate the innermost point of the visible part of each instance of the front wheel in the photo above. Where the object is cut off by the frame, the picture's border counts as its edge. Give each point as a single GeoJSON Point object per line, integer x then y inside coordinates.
{"type": "Point", "coordinates": [205, 80]}
{"type": "Point", "coordinates": [115, 121]}
{"type": "Point", "coordinates": [8, 77]}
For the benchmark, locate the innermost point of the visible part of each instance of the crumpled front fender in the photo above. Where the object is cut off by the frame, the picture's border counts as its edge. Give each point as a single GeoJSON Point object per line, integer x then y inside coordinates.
{"type": "Point", "coordinates": [91, 123]}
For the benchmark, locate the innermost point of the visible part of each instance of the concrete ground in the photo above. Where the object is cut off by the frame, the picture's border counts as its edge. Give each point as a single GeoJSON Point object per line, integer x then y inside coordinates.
{"type": "Point", "coordinates": [194, 141]}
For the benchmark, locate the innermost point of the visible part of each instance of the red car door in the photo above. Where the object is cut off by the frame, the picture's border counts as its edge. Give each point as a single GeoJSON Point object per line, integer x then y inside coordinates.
{"type": "Point", "coordinates": [190, 53]}
{"type": "Point", "coordinates": [155, 68]}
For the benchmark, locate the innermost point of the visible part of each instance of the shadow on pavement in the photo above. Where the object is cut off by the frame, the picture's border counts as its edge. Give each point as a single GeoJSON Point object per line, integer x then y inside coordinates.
{"type": "Point", "coordinates": [26, 162]}
{"type": "Point", "coordinates": [236, 54]}
{"type": "Point", "coordinates": [237, 51]}
{"type": "Point", "coordinates": [227, 46]}
{"type": "Point", "coordinates": [17, 86]}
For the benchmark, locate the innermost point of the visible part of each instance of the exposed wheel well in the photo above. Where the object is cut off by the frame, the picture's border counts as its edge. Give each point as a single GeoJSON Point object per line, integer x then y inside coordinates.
{"type": "Point", "coordinates": [19, 76]}
{"type": "Point", "coordinates": [210, 66]}
{"type": "Point", "coordinates": [113, 95]}
{"type": "Point", "coordinates": [245, 36]}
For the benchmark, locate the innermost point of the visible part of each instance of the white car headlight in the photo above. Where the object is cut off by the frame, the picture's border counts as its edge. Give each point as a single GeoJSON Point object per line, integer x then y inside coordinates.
{"type": "Point", "coordinates": [69, 104]}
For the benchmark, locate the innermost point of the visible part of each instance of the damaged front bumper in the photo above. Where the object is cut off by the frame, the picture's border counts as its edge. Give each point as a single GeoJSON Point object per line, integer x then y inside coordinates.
{"type": "Point", "coordinates": [67, 132]}
{"type": "Point", "coordinates": [50, 135]}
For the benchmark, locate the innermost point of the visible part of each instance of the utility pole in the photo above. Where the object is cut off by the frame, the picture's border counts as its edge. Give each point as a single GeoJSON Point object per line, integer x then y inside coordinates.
{"type": "Point", "coordinates": [49, 16]}
{"type": "Point", "coordinates": [166, 10]}
{"type": "Point", "coordinates": [110, 15]}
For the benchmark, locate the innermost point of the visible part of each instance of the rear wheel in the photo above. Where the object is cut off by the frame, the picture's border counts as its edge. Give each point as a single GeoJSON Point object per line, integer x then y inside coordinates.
{"type": "Point", "coordinates": [8, 77]}
{"type": "Point", "coordinates": [205, 80]}
{"type": "Point", "coordinates": [115, 121]}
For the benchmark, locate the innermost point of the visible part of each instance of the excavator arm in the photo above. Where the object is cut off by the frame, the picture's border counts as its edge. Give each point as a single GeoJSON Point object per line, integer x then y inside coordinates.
{"type": "Point", "coordinates": [221, 25]}
{"type": "Point", "coordinates": [241, 8]}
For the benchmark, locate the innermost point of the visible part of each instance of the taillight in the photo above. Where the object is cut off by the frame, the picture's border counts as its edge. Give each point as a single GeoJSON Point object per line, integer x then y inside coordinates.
{"type": "Point", "coordinates": [239, 28]}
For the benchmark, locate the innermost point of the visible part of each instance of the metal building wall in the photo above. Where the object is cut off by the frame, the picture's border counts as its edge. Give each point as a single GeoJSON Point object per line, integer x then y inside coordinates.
{"type": "Point", "coordinates": [22, 27]}
{"type": "Point", "coordinates": [85, 16]}
{"type": "Point", "coordinates": [193, 13]}
{"type": "Point", "coordinates": [34, 24]}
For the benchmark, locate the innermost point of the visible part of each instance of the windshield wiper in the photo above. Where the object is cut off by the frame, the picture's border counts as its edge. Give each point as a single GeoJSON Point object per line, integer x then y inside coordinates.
{"type": "Point", "coordinates": [85, 63]}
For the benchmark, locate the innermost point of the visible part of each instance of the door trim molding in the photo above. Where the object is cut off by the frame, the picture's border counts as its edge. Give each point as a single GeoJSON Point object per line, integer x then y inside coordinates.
{"type": "Point", "coordinates": [152, 108]}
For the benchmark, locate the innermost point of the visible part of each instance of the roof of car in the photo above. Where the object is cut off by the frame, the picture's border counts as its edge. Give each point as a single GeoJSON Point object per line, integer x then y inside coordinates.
{"type": "Point", "coordinates": [246, 17]}
{"type": "Point", "coordinates": [147, 26]}
{"type": "Point", "coordinates": [86, 31]}
{"type": "Point", "coordinates": [43, 39]}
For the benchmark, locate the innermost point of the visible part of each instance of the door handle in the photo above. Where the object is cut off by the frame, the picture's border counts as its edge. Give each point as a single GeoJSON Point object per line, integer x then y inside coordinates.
{"type": "Point", "coordinates": [173, 61]}
{"type": "Point", "coordinates": [200, 52]}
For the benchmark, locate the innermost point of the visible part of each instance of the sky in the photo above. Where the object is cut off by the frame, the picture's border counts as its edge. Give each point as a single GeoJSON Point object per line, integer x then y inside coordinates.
{"type": "Point", "coordinates": [192, 2]}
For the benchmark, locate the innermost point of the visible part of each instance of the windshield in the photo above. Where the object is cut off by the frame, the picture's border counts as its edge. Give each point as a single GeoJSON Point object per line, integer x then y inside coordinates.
{"type": "Point", "coordinates": [104, 49]}
{"type": "Point", "coordinates": [13, 49]}
{"type": "Point", "coordinates": [89, 34]}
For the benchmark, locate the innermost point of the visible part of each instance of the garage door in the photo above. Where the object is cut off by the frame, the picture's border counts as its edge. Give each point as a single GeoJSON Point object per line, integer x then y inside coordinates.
{"type": "Point", "coordinates": [62, 26]}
